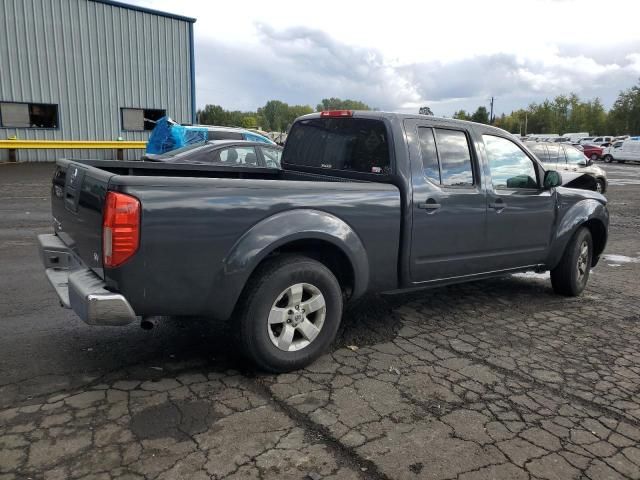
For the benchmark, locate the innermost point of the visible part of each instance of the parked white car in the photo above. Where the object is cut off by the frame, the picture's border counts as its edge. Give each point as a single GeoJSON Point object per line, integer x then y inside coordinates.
{"type": "Point", "coordinates": [601, 141]}
{"type": "Point", "coordinates": [577, 136]}
{"type": "Point", "coordinates": [623, 151]}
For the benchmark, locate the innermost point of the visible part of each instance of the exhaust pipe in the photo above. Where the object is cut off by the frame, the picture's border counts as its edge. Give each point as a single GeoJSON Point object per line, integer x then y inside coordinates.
{"type": "Point", "coordinates": [147, 323]}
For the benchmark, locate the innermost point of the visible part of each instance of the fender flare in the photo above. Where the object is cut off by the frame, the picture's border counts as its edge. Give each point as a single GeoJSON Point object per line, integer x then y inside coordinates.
{"type": "Point", "coordinates": [576, 216]}
{"type": "Point", "coordinates": [285, 227]}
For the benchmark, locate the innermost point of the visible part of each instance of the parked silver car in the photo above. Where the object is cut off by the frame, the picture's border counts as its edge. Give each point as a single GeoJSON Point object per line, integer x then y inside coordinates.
{"type": "Point", "coordinates": [564, 157]}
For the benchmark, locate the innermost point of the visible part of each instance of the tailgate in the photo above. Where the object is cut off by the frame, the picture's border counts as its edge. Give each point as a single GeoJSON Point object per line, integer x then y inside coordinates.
{"type": "Point", "coordinates": [77, 196]}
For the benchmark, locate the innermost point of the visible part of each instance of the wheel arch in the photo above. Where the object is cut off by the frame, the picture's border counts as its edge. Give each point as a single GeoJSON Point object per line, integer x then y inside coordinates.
{"type": "Point", "coordinates": [589, 213]}
{"type": "Point", "coordinates": [599, 235]}
{"type": "Point", "coordinates": [313, 233]}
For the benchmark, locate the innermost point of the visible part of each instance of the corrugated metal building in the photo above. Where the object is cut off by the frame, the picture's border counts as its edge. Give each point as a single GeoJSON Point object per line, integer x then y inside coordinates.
{"type": "Point", "coordinates": [91, 70]}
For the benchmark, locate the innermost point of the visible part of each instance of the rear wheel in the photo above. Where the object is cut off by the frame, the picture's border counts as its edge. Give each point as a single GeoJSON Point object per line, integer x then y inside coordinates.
{"type": "Point", "coordinates": [608, 158]}
{"type": "Point", "coordinates": [572, 273]}
{"type": "Point", "coordinates": [289, 313]}
{"type": "Point", "coordinates": [594, 157]}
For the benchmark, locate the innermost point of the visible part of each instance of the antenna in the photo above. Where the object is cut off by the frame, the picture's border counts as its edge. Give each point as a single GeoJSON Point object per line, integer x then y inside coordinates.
{"type": "Point", "coordinates": [491, 114]}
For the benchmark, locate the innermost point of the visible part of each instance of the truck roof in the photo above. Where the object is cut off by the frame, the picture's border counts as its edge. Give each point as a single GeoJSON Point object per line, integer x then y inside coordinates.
{"type": "Point", "coordinates": [376, 114]}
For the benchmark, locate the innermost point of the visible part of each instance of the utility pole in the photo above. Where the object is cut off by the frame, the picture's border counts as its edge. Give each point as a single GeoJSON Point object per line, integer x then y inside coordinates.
{"type": "Point", "coordinates": [491, 114]}
{"type": "Point", "coordinates": [525, 124]}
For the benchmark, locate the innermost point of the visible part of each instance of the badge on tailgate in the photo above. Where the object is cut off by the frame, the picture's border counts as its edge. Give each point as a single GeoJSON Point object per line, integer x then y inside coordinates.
{"type": "Point", "coordinates": [73, 187]}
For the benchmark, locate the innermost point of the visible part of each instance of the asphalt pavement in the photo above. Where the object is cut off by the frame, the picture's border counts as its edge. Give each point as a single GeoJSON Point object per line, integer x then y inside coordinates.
{"type": "Point", "coordinates": [493, 379]}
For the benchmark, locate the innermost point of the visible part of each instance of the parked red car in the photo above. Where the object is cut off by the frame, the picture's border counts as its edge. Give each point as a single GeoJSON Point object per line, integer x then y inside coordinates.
{"type": "Point", "coordinates": [593, 152]}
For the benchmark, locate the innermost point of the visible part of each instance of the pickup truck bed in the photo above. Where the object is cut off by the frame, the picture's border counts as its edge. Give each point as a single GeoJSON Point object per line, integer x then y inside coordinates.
{"type": "Point", "coordinates": [196, 242]}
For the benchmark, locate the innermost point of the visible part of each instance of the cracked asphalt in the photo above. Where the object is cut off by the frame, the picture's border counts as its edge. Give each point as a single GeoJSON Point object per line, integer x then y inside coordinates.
{"type": "Point", "coordinates": [498, 379]}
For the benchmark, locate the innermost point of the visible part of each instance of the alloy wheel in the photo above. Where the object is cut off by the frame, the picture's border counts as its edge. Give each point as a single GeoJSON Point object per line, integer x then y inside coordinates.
{"type": "Point", "coordinates": [582, 266]}
{"type": "Point", "coordinates": [296, 317]}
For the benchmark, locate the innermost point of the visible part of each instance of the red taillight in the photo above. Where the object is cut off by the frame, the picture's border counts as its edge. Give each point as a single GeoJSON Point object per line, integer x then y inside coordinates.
{"type": "Point", "coordinates": [120, 228]}
{"type": "Point", "coordinates": [337, 113]}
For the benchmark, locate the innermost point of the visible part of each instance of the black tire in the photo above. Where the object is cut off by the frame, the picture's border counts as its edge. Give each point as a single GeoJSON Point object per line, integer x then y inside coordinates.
{"type": "Point", "coordinates": [567, 278]}
{"type": "Point", "coordinates": [259, 296]}
{"type": "Point", "coordinates": [601, 185]}
{"type": "Point", "coordinates": [608, 158]}
{"type": "Point", "coordinates": [594, 157]}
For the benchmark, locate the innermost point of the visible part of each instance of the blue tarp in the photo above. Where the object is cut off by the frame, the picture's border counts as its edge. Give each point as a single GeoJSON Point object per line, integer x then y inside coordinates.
{"type": "Point", "coordinates": [169, 135]}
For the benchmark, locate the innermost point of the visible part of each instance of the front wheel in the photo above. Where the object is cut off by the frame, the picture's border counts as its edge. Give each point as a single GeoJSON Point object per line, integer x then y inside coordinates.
{"type": "Point", "coordinates": [600, 185]}
{"type": "Point", "coordinates": [570, 276]}
{"type": "Point", "coordinates": [289, 313]}
{"type": "Point", "coordinates": [608, 159]}
{"type": "Point", "coordinates": [594, 157]}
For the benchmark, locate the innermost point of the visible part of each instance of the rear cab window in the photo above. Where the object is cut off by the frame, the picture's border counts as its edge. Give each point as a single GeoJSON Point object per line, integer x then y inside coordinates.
{"type": "Point", "coordinates": [356, 145]}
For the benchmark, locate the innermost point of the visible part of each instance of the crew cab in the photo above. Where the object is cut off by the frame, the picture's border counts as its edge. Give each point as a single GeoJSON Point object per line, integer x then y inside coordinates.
{"type": "Point", "coordinates": [365, 202]}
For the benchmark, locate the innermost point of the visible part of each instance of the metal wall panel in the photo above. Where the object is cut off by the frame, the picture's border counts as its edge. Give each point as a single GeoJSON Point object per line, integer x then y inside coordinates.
{"type": "Point", "coordinates": [91, 59]}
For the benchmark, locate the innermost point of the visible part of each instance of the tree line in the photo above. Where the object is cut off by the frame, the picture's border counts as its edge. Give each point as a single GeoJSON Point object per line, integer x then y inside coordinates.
{"type": "Point", "coordinates": [563, 114]}
{"type": "Point", "coordinates": [275, 116]}
{"type": "Point", "coordinates": [568, 113]}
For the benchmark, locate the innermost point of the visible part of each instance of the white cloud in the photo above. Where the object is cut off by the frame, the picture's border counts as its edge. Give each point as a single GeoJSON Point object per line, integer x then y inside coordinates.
{"type": "Point", "coordinates": [448, 55]}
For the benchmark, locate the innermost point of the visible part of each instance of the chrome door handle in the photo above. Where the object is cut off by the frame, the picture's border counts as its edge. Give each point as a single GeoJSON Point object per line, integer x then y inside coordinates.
{"type": "Point", "coordinates": [498, 205]}
{"type": "Point", "coordinates": [429, 205]}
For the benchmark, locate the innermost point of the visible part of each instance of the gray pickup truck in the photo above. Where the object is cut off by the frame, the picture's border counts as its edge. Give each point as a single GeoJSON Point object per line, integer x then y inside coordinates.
{"type": "Point", "coordinates": [364, 202]}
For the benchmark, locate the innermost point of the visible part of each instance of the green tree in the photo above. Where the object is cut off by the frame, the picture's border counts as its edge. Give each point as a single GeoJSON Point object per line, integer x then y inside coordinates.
{"type": "Point", "coordinates": [296, 111]}
{"type": "Point", "coordinates": [249, 122]}
{"type": "Point", "coordinates": [275, 114]}
{"type": "Point", "coordinates": [624, 116]}
{"type": "Point", "coordinates": [338, 104]}
{"type": "Point", "coordinates": [425, 111]}
{"type": "Point", "coordinates": [481, 115]}
{"type": "Point", "coordinates": [461, 115]}
{"type": "Point", "coordinates": [212, 115]}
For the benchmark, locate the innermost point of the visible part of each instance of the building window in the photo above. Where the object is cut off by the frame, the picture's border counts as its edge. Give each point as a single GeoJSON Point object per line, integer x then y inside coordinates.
{"type": "Point", "coordinates": [28, 115]}
{"type": "Point", "coordinates": [140, 118]}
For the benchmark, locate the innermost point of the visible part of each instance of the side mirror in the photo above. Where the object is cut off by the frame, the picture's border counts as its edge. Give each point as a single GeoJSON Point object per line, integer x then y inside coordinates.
{"type": "Point", "coordinates": [583, 163]}
{"type": "Point", "coordinates": [589, 162]}
{"type": "Point", "coordinates": [552, 179]}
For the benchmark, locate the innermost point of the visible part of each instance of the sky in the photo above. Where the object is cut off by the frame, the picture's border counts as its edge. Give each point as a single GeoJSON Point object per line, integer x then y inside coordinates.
{"type": "Point", "coordinates": [400, 55]}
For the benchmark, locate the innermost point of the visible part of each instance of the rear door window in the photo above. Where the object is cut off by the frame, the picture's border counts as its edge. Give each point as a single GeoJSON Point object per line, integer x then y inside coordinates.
{"type": "Point", "coordinates": [238, 156]}
{"type": "Point", "coordinates": [429, 154]}
{"type": "Point", "coordinates": [347, 144]}
{"type": "Point", "coordinates": [455, 158]}
{"type": "Point", "coordinates": [446, 157]}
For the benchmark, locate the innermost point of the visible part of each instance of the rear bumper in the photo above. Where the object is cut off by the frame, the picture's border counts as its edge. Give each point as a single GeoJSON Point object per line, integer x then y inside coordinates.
{"type": "Point", "coordinates": [79, 288]}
